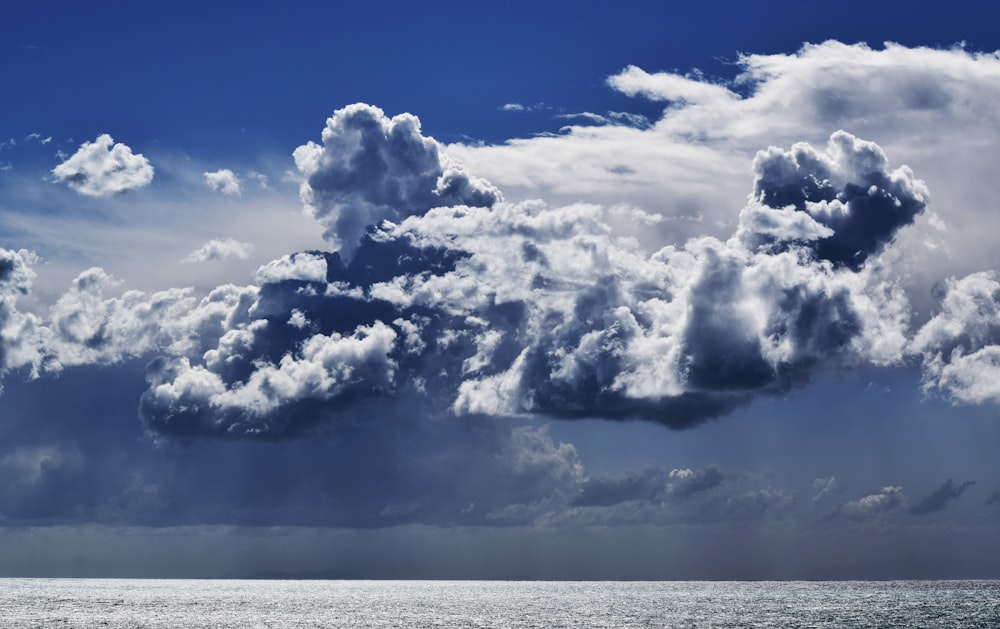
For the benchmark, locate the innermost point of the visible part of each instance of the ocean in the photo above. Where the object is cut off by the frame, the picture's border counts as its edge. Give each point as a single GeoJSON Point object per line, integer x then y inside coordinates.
{"type": "Point", "coordinates": [180, 603]}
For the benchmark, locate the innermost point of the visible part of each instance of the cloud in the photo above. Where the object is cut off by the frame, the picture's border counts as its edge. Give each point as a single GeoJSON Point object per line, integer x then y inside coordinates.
{"type": "Point", "coordinates": [224, 181]}
{"type": "Point", "coordinates": [102, 168]}
{"type": "Point", "coordinates": [654, 495]}
{"type": "Point", "coordinates": [823, 486]}
{"type": "Point", "coordinates": [371, 167]}
{"type": "Point", "coordinates": [683, 334]}
{"type": "Point", "coordinates": [664, 86]}
{"type": "Point", "coordinates": [220, 249]}
{"type": "Point", "coordinates": [929, 108]}
{"type": "Point", "coordinates": [940, 497]}
{"type": "Point", "coordinates": [872, 505]}
{"type": "Point", "coordinates": [994, 498]}
{"type": "Point", "coordinates": [960, 344]}
{"type": "Point", "coordinates": [844, 202]}
{"type": "Point", "coordinates": [516, 308]}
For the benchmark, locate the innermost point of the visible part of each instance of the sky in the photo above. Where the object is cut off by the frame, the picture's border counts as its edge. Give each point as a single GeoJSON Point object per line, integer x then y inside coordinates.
{"type": "Point", "coordinates": [452, 290]}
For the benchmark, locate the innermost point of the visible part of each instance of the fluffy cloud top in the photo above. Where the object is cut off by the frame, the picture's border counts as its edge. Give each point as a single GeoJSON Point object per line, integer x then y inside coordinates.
{"type": "Point", "coordinates": [102, 168]}
{"type": "Point", "coordinates": [224, 181]}
{"type": "Point", "coordinates": [371, 167]}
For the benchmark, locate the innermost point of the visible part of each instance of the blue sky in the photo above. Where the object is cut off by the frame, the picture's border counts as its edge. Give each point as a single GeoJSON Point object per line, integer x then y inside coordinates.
{"type": "Point", "coordinates": [621, 291]}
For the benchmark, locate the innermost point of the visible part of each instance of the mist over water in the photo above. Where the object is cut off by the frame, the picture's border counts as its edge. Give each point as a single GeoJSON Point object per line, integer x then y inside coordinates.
{"type": "Point", "coordinates": [264, 603]}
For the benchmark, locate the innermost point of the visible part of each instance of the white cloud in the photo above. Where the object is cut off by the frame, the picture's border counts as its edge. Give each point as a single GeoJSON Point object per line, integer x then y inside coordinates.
{"type": "Point", "coordinates": [220, 249]}
{"type": "Point", "coordinates": [634, 81]}
{"type": "Point", "coordinates": [931, 109]}
{"type": "Point", "coordinates": [305, 267]}
{"type": "Point", "coordinates": [873, 505]}
{"type": "Point", "coordinates": [102, 168]}
{"type": "Point", "coordinates": [224, 181]}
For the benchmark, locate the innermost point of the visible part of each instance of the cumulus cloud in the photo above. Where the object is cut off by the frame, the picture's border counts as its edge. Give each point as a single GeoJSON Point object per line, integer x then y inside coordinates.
{"type": "Point", "coordinates": [102, 168]}
{"type": "Point", "coordinates": [845, 201]}
{"type": "Point", "coordinates": [220, 249]}
{"type": "Point", "coordinates": [938, 499]}
{"type": "Point", "coordinates": [960, 345]}
{"type": "Point", "coordinates": [224, 181]}
{"type": "Point", "coordinates": [871, 506]}
{"type": "Point", "coordinates": [371, 167]}
{"type": "Point", "coordinates": [453, 299]}
{"type": "Point", "coordinates": [683, 334]}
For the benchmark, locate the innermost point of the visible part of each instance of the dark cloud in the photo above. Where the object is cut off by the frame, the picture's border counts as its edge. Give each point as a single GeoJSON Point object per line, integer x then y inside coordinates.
{"type": "Point", "coordinates": [844, 203]}
{"type": "Point", "coordinates": [994, 497]}
{"type": "Point", "coordinates": [938, 499]}
{"type": "Point", "coordinates": [72, 451]}
{"type": "Point", "coordinates": [371, 167]}
{"type": "Point", "coordinates": [649, 484]}
{"type": "Point", "coordinates": [654, 495]}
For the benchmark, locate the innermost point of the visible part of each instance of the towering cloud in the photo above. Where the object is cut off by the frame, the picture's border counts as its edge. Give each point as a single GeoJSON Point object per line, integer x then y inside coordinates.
{"type": "Point", "coordinates": [371, 167]}
{"type": "Point", "coordinates": [102, 168]}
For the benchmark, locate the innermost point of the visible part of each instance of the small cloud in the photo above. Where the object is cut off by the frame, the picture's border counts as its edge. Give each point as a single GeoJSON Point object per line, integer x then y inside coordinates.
{"type": "Point", "coordinates": [632, 120]}
{"type": "Point", "coordinates": [260, 178]}
{"type": "Point", "coordinates": [102, 168]}
{"type": "Point", "coordinates": [586, 116]}
{"type": "Point", "coordinates": [224, 181]}
{"type": "Point", "coordinates": [220, 249]}
{"type": "Point", "coordinates": [520, 107]}
{"type": "Point", "coordinates": [872, 505]}
{"type": "Point", "coordinates": [822, 487]}
{"type": "Point", "coordinates": [39, 138]}
{"type": "Point", "coordinates": [940, 497]}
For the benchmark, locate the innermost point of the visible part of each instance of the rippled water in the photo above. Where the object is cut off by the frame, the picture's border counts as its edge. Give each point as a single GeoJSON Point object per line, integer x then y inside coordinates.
{"type": "Point", "coordinates": [443, 604]}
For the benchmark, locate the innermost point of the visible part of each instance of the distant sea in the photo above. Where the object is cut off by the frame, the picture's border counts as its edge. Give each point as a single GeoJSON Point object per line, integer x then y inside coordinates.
{"type": "Point", "coordinates": [444, 604]}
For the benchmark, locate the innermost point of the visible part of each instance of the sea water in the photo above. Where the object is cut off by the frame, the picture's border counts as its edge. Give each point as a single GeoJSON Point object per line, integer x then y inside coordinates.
{"type": "Point", "coordinates": [543, 604]}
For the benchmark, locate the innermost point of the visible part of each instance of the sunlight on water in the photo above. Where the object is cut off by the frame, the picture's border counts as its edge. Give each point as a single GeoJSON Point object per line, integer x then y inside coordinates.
{"type": "Point", "coordinates": [444, 604]}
